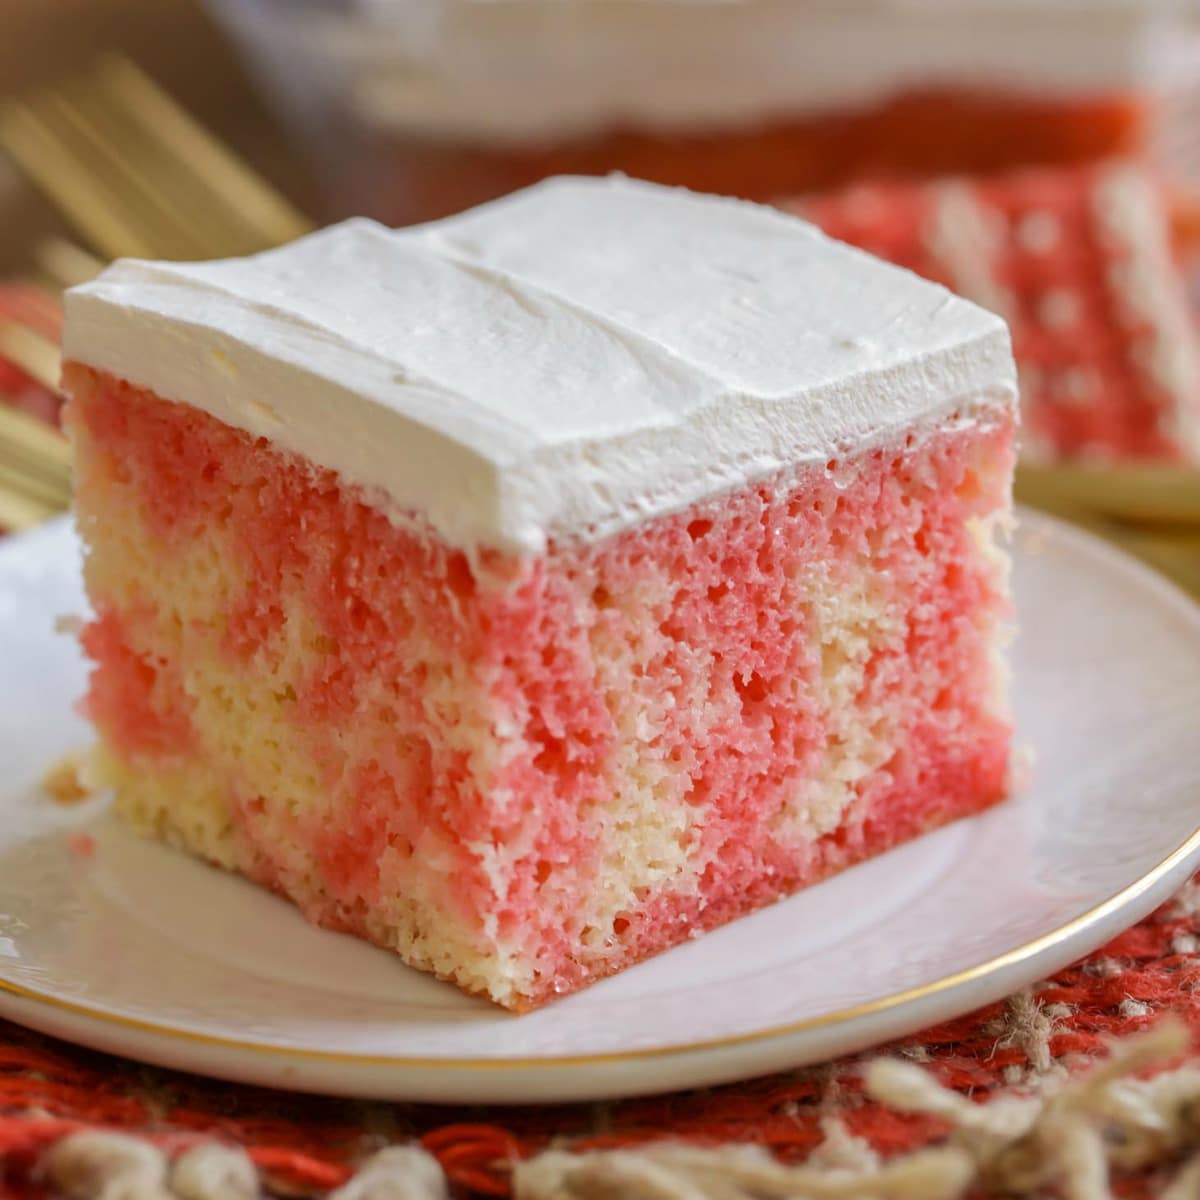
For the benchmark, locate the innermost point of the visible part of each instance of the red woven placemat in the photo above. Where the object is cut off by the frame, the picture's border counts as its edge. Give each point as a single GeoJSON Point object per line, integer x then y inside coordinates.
{"type": "Point", "coordinates": [306, 1146]}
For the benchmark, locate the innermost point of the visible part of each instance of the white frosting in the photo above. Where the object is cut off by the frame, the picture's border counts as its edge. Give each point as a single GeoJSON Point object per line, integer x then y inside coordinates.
{"type": "Point", "coordinates": [540, 70]}
{"type": "Point", "coordinates": [563, 362]}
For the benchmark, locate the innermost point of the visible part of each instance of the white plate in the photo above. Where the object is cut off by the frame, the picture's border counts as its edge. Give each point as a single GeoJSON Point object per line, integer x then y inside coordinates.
{"type": "Point", "coordinates": [138, 950]}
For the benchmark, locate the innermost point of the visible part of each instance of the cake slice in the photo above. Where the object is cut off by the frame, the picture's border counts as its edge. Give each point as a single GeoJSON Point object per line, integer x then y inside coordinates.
{"type": "Point", "coordinates": [1084, 264]}
{"type": "Point", "coordinates": [534, 590]}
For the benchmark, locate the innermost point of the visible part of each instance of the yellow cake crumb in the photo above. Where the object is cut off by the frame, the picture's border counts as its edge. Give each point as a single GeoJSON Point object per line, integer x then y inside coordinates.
{"type": "Point", "coordinates": [67, 781]}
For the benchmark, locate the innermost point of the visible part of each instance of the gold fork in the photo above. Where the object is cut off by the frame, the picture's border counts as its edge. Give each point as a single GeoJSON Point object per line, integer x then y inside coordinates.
{"type": "Point", "coordinates": [35, 469]}
{"type": "Point", "coordinates": [35, 458]}
{"type": "Point", "coordinates": [62, 264]}
{"type": "Point", "coordinates": [32, 351]}
{"type": "Point", "coordinates": [135, 175]}
{"type": "Point", "coordinates": [19, 512]}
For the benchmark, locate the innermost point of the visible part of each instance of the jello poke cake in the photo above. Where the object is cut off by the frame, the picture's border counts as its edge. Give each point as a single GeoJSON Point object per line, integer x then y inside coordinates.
{"type": "Point", "coordinates": [1084, 264]}
{"type": "Point", "coordinates": [531, 591]}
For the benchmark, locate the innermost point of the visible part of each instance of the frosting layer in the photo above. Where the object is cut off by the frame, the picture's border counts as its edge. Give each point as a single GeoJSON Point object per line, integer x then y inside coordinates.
{"type": "Point", "coordinates": [564, 362]}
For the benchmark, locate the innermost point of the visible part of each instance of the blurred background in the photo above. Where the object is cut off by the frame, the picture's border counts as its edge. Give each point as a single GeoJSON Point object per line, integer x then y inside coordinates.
{"type": "Point", "coordinates": [1039, 156]}
{"type": "Point", "coordinates": [43, 42]}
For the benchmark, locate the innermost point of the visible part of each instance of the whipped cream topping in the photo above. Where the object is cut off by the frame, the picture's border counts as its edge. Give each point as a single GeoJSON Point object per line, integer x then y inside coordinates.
{"type": "Point", "coordinates": [543, 70]}
{"type": "Point", "coordinates": [564, 362]}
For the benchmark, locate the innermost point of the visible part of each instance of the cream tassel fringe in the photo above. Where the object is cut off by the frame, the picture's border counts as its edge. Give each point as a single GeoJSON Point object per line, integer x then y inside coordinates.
{"type": "Point", "coordinates": [1070, 1136]}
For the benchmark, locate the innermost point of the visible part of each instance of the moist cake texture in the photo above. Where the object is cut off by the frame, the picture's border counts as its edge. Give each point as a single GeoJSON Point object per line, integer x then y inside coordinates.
{"type": "Point", "coordinates": [531, 591]}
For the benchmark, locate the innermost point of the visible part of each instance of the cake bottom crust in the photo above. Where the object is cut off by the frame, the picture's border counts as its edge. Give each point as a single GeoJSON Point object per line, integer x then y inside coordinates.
{"type": "Point", "coordinates": [171, 806]}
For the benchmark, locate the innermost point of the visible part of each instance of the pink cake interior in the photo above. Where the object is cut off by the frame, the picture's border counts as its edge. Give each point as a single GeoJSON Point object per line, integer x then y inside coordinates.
{"type": "Point", "coordinates": [527, 773]}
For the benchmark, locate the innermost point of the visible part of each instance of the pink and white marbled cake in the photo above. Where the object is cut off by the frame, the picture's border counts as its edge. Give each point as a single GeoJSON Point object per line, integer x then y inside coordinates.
{"type": "Point", "coordinates": [531, 591]}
